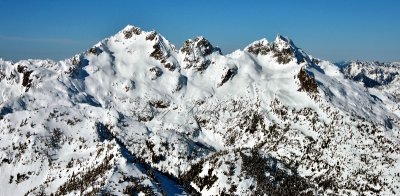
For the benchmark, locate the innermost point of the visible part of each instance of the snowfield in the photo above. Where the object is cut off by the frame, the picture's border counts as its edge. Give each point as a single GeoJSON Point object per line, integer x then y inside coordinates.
{"type": "Point", "coordinates": [134, 115]}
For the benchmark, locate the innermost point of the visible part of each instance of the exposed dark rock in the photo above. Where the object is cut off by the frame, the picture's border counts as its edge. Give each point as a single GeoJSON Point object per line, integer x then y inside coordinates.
{"type": "Point", "coordinates": [307, 83]}
{"type": "Point", "coordinates": [229, 74]}
{"type": "Point", "coordinates": [315, 61]}
{"type": "Point", "coordinates": [103, 132]}
{"type": "Point", "coordinates": [75, 61]}
{"type": "Point", "coordinates": [196, 52]}
{"type": "Point", "coordinates": [157, 53]}
{"type": "Point", "coordinates": [155, 157]}
{"type": "Point", "coordinates": [76, 71]}
{"type": "Point", "coordinates": [130, 32]}
{"type": "Point", "coordinates": [95, 51]}
{"type": "Point", "coordinates": [282, 49]}
{"type": "Point", "coordinates": [21, 178]}
{"type": "Point", "coordinates": [182, 81]}
{"type": "Point", "coordinates": [159, 104]}
{"type": "Point", "coordinates": [5, 160]}
{"type": "Point", "coordinates": [145, 117]}
{"type": "Point", "coordinates": [170, 66]}
{"type": "Point", "coordinates": [26, 80]}
{"type": "Point", "coordinates": [201, 182]}
{"type": "Point", "coordinates": [204, 45]}
{"type": "Point", "coordinates": [156, 72]}
{"type": "Point", "coordinates": [259, 48]}
{"type": "Point", "coordinates": [283, 56]}
{"type": "Point", "coordinates": [151, 36]}
{"type": "Point", "coordinates": [186, 48]}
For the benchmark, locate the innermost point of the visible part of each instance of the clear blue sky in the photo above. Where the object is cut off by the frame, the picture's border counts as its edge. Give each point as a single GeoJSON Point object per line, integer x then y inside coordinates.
{"type": "Point", "coordinates": [329, 29]}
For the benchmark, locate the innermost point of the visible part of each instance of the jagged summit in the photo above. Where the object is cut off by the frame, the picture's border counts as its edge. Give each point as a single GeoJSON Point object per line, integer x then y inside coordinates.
{"type": "Point", "coordinates": [131, 30]}
{"type": "Point", "coordinates": [202, 47]}
{"type": "Point", "coordinates": [284, 42]}
{"type": "Point", "coordinates": [196, 53]}
{"type": "Point", "coordinates": [129, 27]}
{"type": "Point", "coordinates": [283, 49]}
{"type": "Point", "coordinates": [133, 115]}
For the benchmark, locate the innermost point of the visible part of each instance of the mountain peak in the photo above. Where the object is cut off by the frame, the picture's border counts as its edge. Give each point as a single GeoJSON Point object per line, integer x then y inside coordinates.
{"type": "Point", "coordinates": [156, 121]}
{"type": "Point", "coordinates": [128, 26]}
{"type": "Point", "coordinates": [131, 30]}
{"type": "Point", "coordinates": [283, 38]}
{"type": "Point", "coordinates": [199, 43]}
{"type": "Point", "coordinates": [284, 42]}
{"type": "Point", "coordinates": [260, 42]}
{"type": "Point", "coordinates": [283, 49]}
{"type": "Point", "coordinates": [196, 53]}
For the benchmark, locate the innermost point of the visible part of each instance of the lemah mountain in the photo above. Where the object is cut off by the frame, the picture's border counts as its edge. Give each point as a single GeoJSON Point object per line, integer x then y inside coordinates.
{"type": "Point", "coordinates": [134, 115]}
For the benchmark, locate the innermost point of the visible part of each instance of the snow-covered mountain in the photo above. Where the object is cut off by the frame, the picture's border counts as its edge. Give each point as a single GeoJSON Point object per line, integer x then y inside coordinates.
{"type": "Point", "coordinates": [135, 115]}
{"type": "Point", "coordinates": [378, 78]}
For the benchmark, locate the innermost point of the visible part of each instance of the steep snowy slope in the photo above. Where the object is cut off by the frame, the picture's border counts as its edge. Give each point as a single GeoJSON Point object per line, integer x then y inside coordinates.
{"type": "Point", "coordinates": [134, 114]}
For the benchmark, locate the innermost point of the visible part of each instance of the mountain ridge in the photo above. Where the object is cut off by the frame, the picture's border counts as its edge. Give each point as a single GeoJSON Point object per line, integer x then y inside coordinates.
{"type": "Point", "coordinates": [135, 115]}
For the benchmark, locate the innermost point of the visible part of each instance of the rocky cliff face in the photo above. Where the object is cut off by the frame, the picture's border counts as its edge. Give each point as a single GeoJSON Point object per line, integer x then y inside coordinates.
{"type": "Point", "coordinates": [134, 115]}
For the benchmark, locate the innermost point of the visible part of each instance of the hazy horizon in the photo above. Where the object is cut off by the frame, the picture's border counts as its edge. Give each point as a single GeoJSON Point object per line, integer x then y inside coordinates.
{"type": "Point", "coordinates": [330, 30]}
